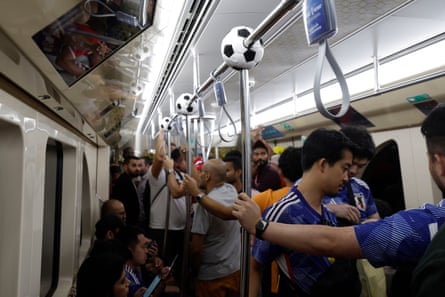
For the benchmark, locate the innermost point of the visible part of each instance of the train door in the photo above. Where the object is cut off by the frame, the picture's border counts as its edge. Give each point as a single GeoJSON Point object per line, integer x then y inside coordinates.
{"type": "Point", "coordinates": [51, 218]}
{"type": "Point", "coordinates": [11, 185]}
{"type": "Point", "coordinates": [399, 173]}
{"type": "Point", "coordinates": [59, 229]}
{"type": "Point", "coordinates": [384, 177]}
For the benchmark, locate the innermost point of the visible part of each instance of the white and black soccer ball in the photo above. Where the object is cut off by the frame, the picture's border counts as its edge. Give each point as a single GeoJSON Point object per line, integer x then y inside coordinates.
{"type": "Point", "coordinates": [235, 54]}
{"type": "Point", "coordinates": [166, 124]}
{"type": "Point", "coordinates": [185, 105]}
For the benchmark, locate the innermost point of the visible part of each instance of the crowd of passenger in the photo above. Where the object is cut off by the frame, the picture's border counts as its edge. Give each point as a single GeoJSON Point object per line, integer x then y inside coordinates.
{"type": "Point", "coordinates": [293, 217]}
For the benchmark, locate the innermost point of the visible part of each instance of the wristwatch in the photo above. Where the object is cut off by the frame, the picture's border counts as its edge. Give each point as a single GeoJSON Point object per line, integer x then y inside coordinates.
{"type": "Point", "coordinates": [170, 170]}
{"type": "Point", "coordinates": [199, 197]}
{"type": "Point", "coordinates": [260, 227]}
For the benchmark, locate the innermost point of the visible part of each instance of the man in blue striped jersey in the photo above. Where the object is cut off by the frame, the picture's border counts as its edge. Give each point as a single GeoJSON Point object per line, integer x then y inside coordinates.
{"type": "Point", "coordinates": [396, 240]}
{"type": "Point", "coordinates": [326, 159]}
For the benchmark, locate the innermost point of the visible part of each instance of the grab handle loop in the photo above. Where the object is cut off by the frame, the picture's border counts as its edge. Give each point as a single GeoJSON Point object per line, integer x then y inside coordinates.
{"type": "Point", "coordinates": [220, 96]}
{"type": "Point", "coordinates": [324, 50]}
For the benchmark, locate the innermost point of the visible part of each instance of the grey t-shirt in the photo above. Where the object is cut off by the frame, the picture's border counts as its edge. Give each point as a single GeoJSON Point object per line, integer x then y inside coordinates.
{"type": "Point", "coordinates": [222, 243]}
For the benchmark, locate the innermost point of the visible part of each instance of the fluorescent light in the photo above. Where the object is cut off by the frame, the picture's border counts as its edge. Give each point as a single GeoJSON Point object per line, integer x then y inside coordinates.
{"type": "Point", "coordinates": [361, 82]}
{"type": "Point", "coordinates": [421, 61]}
{"type": "Point", "coordinates": [228, 129]}
{"type": "Point", "coordinates": [277, 112]}
{"type": "Point", "coordinates": [304, 103]}
{"type": "Point", "coordinates": [163, 31]}
{"type": "Point", "coordinates": [357, 84]}
{"type": "Point", "coordinates": [328, 94]}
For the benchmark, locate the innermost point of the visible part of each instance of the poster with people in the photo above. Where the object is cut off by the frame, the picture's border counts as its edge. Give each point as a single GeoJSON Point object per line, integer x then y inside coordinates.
{"type": "Point", "coordinates": [90, 32]}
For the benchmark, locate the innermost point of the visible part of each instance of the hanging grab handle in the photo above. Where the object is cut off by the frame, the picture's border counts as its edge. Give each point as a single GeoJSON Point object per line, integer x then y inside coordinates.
{"type": "Point", "coordinates": [324, 50]}
{"type": "Point", "coordinates": [221, 99]}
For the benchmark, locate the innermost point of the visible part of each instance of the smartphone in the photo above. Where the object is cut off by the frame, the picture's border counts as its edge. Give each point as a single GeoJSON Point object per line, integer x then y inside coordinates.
{"type": "Point", "coordinates": [153, 242]}
{"type": "Point", "coordinates": [155, 282]}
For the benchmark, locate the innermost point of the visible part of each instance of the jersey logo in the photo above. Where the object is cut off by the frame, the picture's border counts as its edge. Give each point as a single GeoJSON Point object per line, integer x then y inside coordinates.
{"type": "Point", "coordinates": [360, 201]}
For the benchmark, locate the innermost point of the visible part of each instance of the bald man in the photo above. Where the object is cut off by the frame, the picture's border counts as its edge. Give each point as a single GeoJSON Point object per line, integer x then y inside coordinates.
{"type": "Point", "coordinates": [113, 207]}
{"type": "Point", "coordinates": [216, 244]}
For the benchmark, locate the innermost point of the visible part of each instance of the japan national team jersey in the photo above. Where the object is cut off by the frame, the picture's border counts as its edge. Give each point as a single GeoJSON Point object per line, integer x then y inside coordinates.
{"type": "Point", "coordinates": [362, 196]}
{"type": "Point", "coordinates": [304, 269]}
{"type": "Point", "coordinates": [400, 239]}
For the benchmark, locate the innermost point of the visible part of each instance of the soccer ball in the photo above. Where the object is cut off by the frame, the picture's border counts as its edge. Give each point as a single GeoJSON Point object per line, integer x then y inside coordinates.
{"type": "Point", "coordinates": [166, 124]}
{"type": "Point", "coordinates": [235, 54]}
{"type": "Point", "coordinates": [183, 105]}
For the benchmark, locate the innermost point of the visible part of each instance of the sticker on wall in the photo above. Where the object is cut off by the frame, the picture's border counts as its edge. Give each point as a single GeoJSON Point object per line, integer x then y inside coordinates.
{"type": "Point", "coordinates": [287, 126]}
{"type": "Point", "coordinates": [423, 102]}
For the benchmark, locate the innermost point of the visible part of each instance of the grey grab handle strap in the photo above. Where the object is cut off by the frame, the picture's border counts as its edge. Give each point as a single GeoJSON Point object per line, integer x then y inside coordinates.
{"type": "Point", "coordinates": [325, 51]}
{"type": "Point", "coordinates": [220, 96]}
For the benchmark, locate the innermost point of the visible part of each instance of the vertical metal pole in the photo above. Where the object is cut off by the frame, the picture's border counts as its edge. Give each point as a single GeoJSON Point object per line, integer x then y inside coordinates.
{"type": "Point", "coordinates": [172, 111]}
{"type": "Point", "coordinates": [167, 214]}
{"type": "Point", "coordinates": [199, 127]}
{"type": "Point", "coordinates": [172, 100]}
{"type": "Point", "coordinates": [185, 259]}
{"type": "Point", "coordinates": [247, 175]}
{"type": "Point", "coordinates": [376, 73]}
{"type": "Point", "coordinates": [202, 139]}
{"type": "Point", "coordinates": [195, 122]}
{"type": "Point", "coordinates": [196, 78]}
{"type": "Point", "coordinates": [216, 151]}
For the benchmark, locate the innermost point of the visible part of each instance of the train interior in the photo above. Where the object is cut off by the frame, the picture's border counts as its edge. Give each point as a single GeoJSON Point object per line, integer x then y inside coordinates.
{"type": "Point", "coordinates": [60, 129]}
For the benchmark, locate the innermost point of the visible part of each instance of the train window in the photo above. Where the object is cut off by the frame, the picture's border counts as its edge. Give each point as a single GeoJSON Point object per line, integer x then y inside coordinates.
{"type": "Point", "coordinates": [11, 185]}
{"type": "Point", "coordinates": [51, 218]}
{"type": "Point", "coordinates": [383, 175]}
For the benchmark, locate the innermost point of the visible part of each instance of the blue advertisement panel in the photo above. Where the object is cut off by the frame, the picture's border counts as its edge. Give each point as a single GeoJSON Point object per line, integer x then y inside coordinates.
{"type": "Point", "coordinates": [270, 132]}
{"type": "Point", "coordinates": [319, 19]}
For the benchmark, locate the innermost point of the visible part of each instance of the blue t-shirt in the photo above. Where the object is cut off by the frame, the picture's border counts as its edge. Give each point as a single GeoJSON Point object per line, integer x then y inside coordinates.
{"type": "Point", "coordinates": [363, 199]}
{"type": "Point", "coordinates": [304, 269]}
{"type": "Point", "coordinates": [400, 239]}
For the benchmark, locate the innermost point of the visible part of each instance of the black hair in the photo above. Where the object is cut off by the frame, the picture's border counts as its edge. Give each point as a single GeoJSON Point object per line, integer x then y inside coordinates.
{"type": "Point", "coordinates": [114, 246]}
{"type": "Point", "coordinates": [114, 168]}
{"type": "Point", "coordinates": [260, 144]}
{"type": "Point", "coordinates": [234, 159]}
{"type": "Point", "coordinates": [128, 235]}
{"type": "Point", "coordinates": [127, 152]}
{"type": "Point", "coordinates": [233, 153]}
{"type": "Point", "coordinates": [98, 274]}
{"type": "Point", "coordinates": [127, 159]}
{"type": "Point", "coordinates": [290, 163]}
{"type": "Point", "coordinates": [433, 128]}
{"type": "Point", "coordinates": [365, 147]}
{"type": "Point", "coordinates": [176, 155]}
{"type": "Point", "coordinates": [108, 223]}
{"type": "Point", "coordinates": [324, 143]}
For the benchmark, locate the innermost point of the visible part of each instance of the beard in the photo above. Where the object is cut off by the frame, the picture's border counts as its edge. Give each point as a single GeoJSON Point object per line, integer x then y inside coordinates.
{"type": "Point", "coordinates": [261, 164]}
